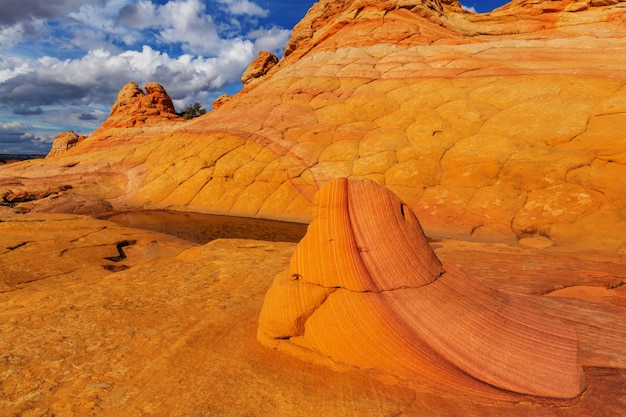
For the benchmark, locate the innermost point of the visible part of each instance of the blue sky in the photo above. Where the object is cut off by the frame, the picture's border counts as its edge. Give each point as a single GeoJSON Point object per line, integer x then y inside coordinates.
{"type": "Point", "coordinates": [62, 62]}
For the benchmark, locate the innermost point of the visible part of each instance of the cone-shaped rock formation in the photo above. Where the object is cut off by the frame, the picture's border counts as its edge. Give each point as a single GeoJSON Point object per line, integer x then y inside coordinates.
{"type": "Point", "coordinates": [365, 289]}
{"type": "Point", "coordinates": [133, 107]}
{"type": "Point", "coordinates": [63, 142]}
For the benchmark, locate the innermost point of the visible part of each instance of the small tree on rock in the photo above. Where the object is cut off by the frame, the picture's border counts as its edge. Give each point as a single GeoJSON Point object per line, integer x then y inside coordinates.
{"type": "Point", "coordinates": [192, 111]}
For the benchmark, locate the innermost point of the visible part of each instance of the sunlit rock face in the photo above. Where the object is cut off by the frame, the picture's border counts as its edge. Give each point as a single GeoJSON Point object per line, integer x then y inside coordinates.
{"type": "Point", "coordinates": [264, 62]}
{"type": "Point", "coordinates": [494, 129]}
{"type": "Point", "coordinates": [506, 126]}
{"type": "Point", "coordinates": [63, 142]}
{"type": "Point", "coordinates": [133, 107]}
{"type": "Point", "coordinates": [365, 289]}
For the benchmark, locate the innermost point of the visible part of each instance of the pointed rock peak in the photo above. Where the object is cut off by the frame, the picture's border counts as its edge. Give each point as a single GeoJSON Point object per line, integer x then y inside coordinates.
{"type": "Point", "coordinates": [127, 95]}
{"type": "Point", "coordinates": [259, 67]}
{"type": "Point", "coordinates": [365, 289]}
{"type": "Point", "coordinates": [160, 98]}
{"type": "Point", "coordinates": [380, 240]}
{"type": "Point", "coordinates": [63, 142]}
{"type": "Point", "coordinates": [133, 97]}
{"type": "Point", "coordinates": [134, 107]}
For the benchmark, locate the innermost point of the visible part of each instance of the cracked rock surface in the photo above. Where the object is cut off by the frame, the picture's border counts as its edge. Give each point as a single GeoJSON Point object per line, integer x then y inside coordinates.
{"type": "Point", "coordinates": [503, 126]}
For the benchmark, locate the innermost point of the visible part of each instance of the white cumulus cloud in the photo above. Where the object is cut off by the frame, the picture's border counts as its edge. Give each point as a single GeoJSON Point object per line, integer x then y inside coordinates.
{"type": "Point", "coordinates": [76, 55]}
{"type": "Point", "coordinates": [469, 8]}
{"type": "Point", "coordinates": [244, 7]}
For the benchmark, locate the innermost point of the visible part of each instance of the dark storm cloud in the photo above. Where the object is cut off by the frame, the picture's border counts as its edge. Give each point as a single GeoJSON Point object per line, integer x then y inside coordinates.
{"type": "Point", "coordinates": [11, 129]}
{"type": "Point", "coordinates": [127, 16]}
{"type": "Point", "coordinates": [20, 145]}
{"type": "Point", "coordinates": [11, 137]}
{"type": "Point", "coordinates": [27, 111]}
{"type": "Point", "coordinates": [14, 139]}
{"type": "Point", "coordinates": [88, 116]}
{"type": "Point", "coordinates": [29, 91]}
{"type": "Point", "coordinates": [16, 11]}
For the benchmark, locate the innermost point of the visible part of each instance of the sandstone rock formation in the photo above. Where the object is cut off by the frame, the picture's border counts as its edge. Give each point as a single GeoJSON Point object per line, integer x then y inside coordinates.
{"type": "Point", "coordinates": [365, 289]}
{"type": "Point", "coordinates": [21, 195]}
{"type": "Point", "coordinates": [505, 126]}
{"type": "Point", "coordinates": [63, 142]}
{"type": "Point", "coordinates": [502, 132]}
{"type": "Point", "coordinates": [264, 62]}
{"type": "Point", "coordinates": [219, 102]}
{"type": "Point", "coordinates": [135, 108]}
{"type": "Point", "coordinates": [84, 329]}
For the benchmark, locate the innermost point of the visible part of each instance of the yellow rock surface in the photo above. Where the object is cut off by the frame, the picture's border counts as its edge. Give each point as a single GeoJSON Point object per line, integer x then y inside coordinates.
{"type": "Point", "coordinates": [420, 96]}
{"type": "Point", "coordinates": [503, 132]}
{"type": "Point", "coordinates": [171, 329]}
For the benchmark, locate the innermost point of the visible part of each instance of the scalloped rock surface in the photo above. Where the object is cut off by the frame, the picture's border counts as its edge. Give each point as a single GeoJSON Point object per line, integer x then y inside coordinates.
{"type": "Point", "coordinates": [365, 289]}
{"type": "Point", "coordinates": [504, 126]}
{"type": "Point", "coordinates": [497, 129]}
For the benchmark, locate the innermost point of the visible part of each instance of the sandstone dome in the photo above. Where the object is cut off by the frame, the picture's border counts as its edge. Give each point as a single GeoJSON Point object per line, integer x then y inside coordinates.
{"type": "Point", "coordinates": [365, 289]}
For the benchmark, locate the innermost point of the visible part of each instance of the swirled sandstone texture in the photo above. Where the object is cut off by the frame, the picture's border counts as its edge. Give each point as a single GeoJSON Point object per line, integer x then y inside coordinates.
{"type": "Point", "coordinates": [365, 289]}
{"type": "Point", "coordinates": [505, 126]}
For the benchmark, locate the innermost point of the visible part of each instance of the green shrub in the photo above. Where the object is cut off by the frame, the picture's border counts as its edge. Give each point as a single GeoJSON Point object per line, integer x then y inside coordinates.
{"type": "Point", "coordinates": [192, 111]}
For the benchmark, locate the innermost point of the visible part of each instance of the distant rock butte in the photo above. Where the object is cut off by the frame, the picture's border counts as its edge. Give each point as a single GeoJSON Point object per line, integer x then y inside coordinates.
{"type": "Point", "coordinates": [505, 126]}
{"type": "Point", "coordinates": [259, 67]}
{"type": "Point", "coordinates": [133, 107]}
{"type": "Point", "coordinates": [135, 116]}
{"type": "Point", "coordinates": [365, 289]}
{"type": "Point", "coordinates": [63, 142]}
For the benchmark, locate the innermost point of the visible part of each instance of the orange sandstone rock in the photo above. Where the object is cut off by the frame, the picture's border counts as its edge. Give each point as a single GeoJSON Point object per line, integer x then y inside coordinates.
{"type": "Point", "coordinates": [133, 107]}
{"type": "Point", "coordinates": [219, 102]}
{"type": "Point", "coordinates": [63, 142]}
{"type": "Point", "coordinates": [365, 289]}
{"type": "Point", "coordinates": [504, 126]}
{"type": "Point", "coordinates": [264, 62]}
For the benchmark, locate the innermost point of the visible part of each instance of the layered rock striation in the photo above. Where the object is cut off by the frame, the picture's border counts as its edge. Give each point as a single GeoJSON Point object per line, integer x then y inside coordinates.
{"type": "Point", "coordinates": [504, 127]}
{"type": "Point", "coordinates": [365, 289]}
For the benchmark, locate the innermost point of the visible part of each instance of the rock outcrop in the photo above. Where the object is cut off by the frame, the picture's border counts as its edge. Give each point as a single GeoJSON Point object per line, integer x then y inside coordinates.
{"type": "Point", "coordinates": [264, 62]}
{"type": "Point", "coordinates": [219, 102]}
{"type": "Point", "coordinates": [63, 142]}
{"type": "Point", "coordinates": [84, 328]}
{"type": "Point", "coordinates": [135, 108]}
{"type": "Point", "coordinates": [365, 289]}
{"type": "Point", "coordinates": [504, 126]}
{"type": "Point", "coordinates": [469, 129]}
